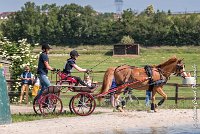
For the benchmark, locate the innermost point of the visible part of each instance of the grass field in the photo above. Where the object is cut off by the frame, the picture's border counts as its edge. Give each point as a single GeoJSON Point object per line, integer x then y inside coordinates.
{"type": "Point", "coordinates": [100, 57]}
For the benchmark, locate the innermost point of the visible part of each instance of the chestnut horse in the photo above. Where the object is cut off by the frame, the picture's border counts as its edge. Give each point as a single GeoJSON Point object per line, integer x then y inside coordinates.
{"type": "Point", "coordinates": [140, 79]}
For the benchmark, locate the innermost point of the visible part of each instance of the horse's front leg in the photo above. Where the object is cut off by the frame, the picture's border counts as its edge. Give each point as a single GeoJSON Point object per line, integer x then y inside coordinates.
{"type": "Point", "coordinates": [159, 91]}
{"type": "Point", "coordinates": [162, 93]}
{"type": "Point", "coordinates": [153, 106]}
{"type": "Point", "coordinates": [117, 103]}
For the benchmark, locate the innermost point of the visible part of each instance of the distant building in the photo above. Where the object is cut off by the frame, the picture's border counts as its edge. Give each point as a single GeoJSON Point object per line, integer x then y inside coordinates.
{"type": "Point", "coordinates": [4, 15]}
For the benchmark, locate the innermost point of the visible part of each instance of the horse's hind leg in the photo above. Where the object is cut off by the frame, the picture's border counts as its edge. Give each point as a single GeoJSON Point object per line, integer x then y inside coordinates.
{"type": "Point", "coordinates": [117, 103]}
{"type": "Point", "coordinates": [162, 93]}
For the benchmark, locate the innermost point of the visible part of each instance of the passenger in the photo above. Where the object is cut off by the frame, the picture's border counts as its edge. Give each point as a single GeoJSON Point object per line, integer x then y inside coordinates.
{"type": "Point", "coordinates": [88, 81]}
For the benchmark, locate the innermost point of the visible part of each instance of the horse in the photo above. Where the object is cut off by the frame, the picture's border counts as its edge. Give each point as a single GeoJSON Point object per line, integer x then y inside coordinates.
{"type": "Point", "coordinates": [143, 78]}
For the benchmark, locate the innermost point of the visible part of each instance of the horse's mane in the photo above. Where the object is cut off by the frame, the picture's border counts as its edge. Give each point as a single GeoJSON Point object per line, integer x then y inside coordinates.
{"type": "Point", "coordinates": [170, 61]}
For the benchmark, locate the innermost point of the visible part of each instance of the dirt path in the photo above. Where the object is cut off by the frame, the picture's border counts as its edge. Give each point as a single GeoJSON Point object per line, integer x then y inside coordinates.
{"type": "Point", "coordinates": [162, 122]}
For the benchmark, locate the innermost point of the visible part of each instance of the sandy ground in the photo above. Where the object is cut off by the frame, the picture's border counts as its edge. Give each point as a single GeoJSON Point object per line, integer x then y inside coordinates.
{"type": "Point", "coordinates": [174, 121]}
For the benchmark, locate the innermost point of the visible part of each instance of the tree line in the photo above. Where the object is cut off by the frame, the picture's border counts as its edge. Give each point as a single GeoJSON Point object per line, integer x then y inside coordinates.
{"type": "Point", "coordinates": [73, 24]}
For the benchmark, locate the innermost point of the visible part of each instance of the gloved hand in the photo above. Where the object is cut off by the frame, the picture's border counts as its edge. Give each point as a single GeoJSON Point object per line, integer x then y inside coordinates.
{"type": "Point", "coordinates": [54, 69]}
{"type": "Point", "coordinates": [88, 70]}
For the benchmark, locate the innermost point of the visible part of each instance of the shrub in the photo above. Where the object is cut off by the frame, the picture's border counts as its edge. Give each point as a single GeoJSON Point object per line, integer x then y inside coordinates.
{"type": "Point", "coordinates": [127, 40]}
{"type": "Point", "coordinates": [20, 54]}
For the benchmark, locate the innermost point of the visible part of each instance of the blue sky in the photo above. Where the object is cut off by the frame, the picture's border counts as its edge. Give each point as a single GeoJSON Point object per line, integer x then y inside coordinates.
{"type": "Point", "coordinates": [109, 6]}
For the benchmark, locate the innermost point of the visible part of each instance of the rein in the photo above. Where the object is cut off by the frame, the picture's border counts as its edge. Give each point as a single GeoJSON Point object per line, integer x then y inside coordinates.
{"type": "Point", "coordinates": [108, 58]}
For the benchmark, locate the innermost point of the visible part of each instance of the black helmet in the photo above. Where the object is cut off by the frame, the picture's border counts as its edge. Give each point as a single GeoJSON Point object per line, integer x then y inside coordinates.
{"type": "Point", "coordinates": [73, 53]}
{"type": "Point", "coordinates": [46, 46]}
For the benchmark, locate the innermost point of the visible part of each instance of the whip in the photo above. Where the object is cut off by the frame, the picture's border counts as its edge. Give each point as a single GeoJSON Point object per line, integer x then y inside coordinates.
{"type": "Point", "coordinates": [108, 58]}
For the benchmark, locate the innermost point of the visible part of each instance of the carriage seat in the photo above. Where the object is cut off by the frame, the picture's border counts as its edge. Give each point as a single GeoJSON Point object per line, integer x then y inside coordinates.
{"type": "Point", "coordinates": [66, 78]}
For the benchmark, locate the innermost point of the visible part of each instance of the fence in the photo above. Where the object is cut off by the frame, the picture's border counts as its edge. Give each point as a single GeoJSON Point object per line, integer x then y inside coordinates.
{"type": "Point", "coordinates": [175, 85]}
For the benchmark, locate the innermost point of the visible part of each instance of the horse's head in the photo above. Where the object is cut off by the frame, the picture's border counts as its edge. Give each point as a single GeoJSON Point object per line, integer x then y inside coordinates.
{"type": "Point", "coordinates": [180, 69]}
{"type": "Point", "coordinates": [172, 66]}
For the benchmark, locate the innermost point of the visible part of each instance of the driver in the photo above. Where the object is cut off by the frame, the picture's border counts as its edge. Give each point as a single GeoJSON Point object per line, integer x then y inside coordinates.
{"type": "Point", "coordinates": [70, 64]}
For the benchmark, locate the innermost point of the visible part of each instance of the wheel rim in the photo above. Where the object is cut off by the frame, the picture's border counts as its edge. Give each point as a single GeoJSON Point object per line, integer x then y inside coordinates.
{"type": "Point", "coordinates": [36, 106]}
{"type": "Point", "coordinates": [50, 104]}
{"type": "Point", "coordinates": [83, 104]}
{"type": "Point", "coordinates": [70, 105]}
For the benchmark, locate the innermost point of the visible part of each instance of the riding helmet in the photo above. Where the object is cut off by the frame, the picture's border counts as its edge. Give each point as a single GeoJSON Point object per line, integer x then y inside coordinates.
{"type": "Point", "coordinates": [73, 53]}
{"type": "Point", "coordinates": [46, 46]}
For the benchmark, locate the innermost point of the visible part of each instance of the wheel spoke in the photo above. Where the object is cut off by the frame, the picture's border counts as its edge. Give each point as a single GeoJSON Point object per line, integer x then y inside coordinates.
{"type": "Point", "coordinates": [82, 104]}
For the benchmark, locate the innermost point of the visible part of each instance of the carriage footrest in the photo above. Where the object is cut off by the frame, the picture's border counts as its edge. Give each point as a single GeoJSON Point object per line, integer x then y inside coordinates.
{"type": "Point", "coordinates": [84, 89]}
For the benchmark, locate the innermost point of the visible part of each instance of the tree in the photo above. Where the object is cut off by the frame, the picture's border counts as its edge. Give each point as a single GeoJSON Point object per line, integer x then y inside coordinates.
{"type": "Point", "coordinates": [149, 10]}
{"type": "Point", "coordinates": [24, 24]}
{"type": "Point", "coordinates": [51, 29]}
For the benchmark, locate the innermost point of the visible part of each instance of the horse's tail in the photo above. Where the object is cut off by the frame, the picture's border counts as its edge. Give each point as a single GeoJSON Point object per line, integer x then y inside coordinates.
{"type": "Point", "coordinates": [107, 81]}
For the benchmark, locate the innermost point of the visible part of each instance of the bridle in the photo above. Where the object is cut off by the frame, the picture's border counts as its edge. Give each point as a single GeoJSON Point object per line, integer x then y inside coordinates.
{"type": "Point", "coordinates": [180, 70]}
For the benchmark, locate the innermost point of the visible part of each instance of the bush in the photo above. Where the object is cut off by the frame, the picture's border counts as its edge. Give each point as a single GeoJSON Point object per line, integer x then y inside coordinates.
{"type": "Point", "coordinates": [20, 55]}
{"type": "Point", "coordinates": [127, 40]}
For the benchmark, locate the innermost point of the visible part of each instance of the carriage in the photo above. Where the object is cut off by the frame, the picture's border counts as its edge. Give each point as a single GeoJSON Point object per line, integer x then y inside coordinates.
{"type": "Point", "coordinates": [84, 103]}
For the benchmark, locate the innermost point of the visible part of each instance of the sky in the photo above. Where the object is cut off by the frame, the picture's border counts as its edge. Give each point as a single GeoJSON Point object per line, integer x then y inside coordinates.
{"type": "Point", "coordinates": [109, 5]}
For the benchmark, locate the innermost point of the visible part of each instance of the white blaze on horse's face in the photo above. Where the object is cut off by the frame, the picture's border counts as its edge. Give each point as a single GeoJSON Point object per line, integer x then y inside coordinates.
{"type": "Point", "coordinates": [180, 70]}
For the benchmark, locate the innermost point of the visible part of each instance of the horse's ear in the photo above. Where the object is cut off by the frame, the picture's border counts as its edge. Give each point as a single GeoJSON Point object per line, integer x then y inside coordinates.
{"type": "Point", "coordinates": [174, 56]}
{"type": "Point", "coordinates": [180, 60]}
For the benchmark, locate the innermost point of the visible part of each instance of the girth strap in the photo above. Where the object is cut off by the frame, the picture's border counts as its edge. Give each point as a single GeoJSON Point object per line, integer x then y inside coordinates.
{"type": "Point", "coordinates": [149, 73]}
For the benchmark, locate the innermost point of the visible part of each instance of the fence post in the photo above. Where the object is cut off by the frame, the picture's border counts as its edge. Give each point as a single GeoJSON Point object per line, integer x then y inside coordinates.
{"type": "Point", "coordinates": [5, 114]}
{"type": "Point", "coordinates": [176, 95]}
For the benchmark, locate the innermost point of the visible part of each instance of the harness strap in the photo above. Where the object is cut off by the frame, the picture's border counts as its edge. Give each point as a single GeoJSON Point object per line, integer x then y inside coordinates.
{"type": "Point", "coordinates": [149, 73]}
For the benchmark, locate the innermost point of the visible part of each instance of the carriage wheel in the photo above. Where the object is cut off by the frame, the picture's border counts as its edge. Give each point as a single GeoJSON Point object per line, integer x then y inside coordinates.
{"type": "Point", "coordinates": [36, 105]}
{"type": "Point", "coordinates": [70, 105]}
{"type": "Point", "coordinates": [50, 104]}
{"type": "Point", "coordinates": [83, 104]}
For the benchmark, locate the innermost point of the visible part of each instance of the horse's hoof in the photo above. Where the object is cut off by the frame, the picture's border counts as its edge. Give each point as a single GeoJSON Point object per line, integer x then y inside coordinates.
{"type": "Point", "coordinates": [150, 111]}
{"type": "Point", "coordinates": [114, 110]}
{"type": "Point", "coordinates": [120, 109]}
{"type": "Point", "coordinates": [156, 106]}
{"type": "Point", "coordinates": [123, 107]}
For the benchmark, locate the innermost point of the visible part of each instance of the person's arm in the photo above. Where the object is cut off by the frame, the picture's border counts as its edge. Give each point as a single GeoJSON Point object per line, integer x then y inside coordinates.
{"type": "Point", "coordinates": [79, 68]}
{"type": "Point", "coordinates": [46, 62]}
{"type": "Point", "coordinates": [32, 77]}
{"type": "Point", "coordinates": [22, 78]}
{"type": "Point", "coordinates": [47, 65]}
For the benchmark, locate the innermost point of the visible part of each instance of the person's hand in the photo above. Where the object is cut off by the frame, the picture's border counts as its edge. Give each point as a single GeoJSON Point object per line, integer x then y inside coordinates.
{"type": "Point", "coordinates": [88, 70]}
{"type": "Point", "coordinates": [54, 69]}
